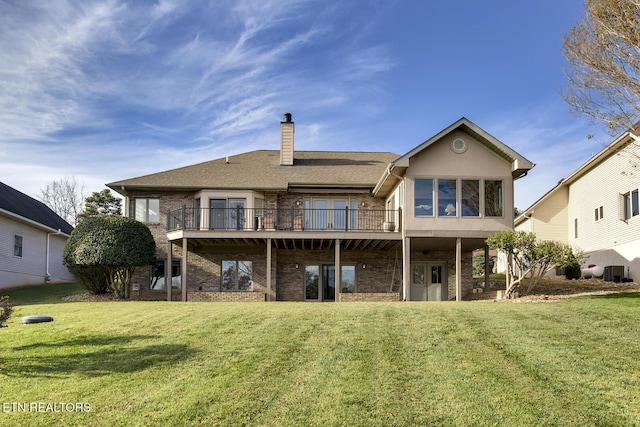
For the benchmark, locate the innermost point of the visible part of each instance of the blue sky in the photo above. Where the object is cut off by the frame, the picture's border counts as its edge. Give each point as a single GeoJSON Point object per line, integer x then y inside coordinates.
{"type": "Point", "coordinates": [109, 90]}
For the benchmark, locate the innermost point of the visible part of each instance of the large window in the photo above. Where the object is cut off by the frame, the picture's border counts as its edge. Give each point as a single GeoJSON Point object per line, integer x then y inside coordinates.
{"type": "Point", "coordinates": [424, 197]}
{"type": "Point", "coordinates": [148, 210]}
{"type": "Point", "coordinates": [470, 197]}
{"type": "Point", "coordinates": [493, 202]}
{"type": "Point", "coordinates": [17, 245]}
{"type": "Point", "coordinates": [459, 197]}
{"type": "Point", "coordinates": [237, 275]}
{"type": "Point", "coordinates": [447, 198]}
{"type": "Point", "coordinates": [158, 281]}
{"type": "Point", "coordinates": [348, 279]}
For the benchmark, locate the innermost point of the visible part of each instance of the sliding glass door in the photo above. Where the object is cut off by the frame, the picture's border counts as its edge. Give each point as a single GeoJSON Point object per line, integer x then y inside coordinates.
{"type": "Point", "coordinates": [320, 281]}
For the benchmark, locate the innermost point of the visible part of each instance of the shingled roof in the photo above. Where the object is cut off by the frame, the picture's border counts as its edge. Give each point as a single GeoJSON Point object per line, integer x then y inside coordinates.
{"type": "Point", "coordinates": [19, 204]}
{"type": "Point", "coordinates": [261, 170]}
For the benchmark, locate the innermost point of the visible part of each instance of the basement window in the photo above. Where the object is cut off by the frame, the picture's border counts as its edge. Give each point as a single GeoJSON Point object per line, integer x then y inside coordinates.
{"type": "Point", "coordinates": [237, 275]}
{"type": "Point", "coordinates": [158, 280]}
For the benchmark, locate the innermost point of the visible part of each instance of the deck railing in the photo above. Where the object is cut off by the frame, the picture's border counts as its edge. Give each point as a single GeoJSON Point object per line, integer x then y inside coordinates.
{"type": "Point", "coordinates": [254, 219]}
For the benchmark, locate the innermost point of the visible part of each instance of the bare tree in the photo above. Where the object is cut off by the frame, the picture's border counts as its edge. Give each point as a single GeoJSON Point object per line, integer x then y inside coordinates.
{"type": "Point", "coordinates": [65, 197]}
{"type": "Point", "coordinates": [603, 52]}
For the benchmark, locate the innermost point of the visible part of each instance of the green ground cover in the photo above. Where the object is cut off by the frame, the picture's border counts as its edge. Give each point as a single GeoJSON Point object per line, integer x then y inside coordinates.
{"type": "Point", "coordinates": [573, 362]}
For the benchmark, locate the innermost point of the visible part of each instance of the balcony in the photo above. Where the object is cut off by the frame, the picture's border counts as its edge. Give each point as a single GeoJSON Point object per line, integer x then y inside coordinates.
{"type": "Point", "coordinates": [287, 219]}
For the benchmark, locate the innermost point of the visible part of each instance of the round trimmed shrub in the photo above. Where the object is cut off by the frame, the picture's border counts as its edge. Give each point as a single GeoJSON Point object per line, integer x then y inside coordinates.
{"type": "Point", "coordinates": [107, 249]}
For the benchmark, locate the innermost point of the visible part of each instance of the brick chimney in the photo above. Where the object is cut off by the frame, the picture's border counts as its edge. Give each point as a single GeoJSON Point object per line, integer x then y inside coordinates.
{"type": "Point", "coordinates": [286, 140]}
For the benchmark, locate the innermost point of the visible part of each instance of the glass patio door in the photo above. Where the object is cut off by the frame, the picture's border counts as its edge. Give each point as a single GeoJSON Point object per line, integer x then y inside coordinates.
{"type": "Point", "coordinates": [320, 217]}
{"type": "Point", "coordinates": [329, 214]}
{"type": "Point", "coordinates": [320, 281]}
{"type": "Point", "coordinates": [217, 214]}
{"type": "Point", "coordinates": [312, 283]}
{"type": "Point", "coordinates": [328, 283]}
{"type": "Point", "coordinates": [236, 214]}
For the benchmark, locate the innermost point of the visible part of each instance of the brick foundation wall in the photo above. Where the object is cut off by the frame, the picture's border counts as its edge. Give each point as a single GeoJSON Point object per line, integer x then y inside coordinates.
{"type": "Point", "coordinates": [370, 297]}
{"type": "Point", "coordinates": [373, 279]}
{"type": "Point", "coordinates": [226, 296]}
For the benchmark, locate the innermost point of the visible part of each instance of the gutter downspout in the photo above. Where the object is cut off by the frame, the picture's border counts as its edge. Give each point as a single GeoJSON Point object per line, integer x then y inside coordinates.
{"type": "Point", "coordinates": [406, 246]}
{"type": "Point", "coordinates": [48, 276]}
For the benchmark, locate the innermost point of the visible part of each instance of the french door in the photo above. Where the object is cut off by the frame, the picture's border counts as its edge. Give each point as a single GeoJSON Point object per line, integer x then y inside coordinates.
{"type": "Point", "coordinates": [217, 214]}
{"type": "Point", "coordinates": [428, 282]}
{"type": "Point", "coordinates": [331, 214]}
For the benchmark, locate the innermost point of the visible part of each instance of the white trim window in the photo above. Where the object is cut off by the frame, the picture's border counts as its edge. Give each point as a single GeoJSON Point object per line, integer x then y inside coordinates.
{"type": "Point", "coordinates": [17, 245]}
{"type": "Point", "coordinates": [629, 205]}
{"type": "Point", "coordinates": [147, 210]}
{"type": "Point", "coordinates": [599, 213]}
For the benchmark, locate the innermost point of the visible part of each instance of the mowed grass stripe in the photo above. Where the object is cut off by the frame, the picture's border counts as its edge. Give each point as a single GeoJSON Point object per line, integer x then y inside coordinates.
{"type": "Point", "coordinates": [159, 363]}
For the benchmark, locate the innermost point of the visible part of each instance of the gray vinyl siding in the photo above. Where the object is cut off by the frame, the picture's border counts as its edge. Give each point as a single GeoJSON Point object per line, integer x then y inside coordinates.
{"type": "Point", "coordinates": [31, 267]}
{"type": "Point", "coordinates": [603, 186]}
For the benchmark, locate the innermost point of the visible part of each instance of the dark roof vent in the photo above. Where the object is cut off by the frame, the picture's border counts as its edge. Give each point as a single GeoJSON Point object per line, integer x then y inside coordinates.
{"type": "Point", "coordinates": [286, 118]}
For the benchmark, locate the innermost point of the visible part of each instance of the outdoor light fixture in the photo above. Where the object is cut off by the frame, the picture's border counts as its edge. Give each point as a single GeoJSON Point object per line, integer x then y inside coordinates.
{"type": "Point", "coordinates": [362, 204]}
{"type": "Point", "coordinates": [364, 266]}
{"type": "Point", "coordinates": [297, 202]}
{"type": "Point", "coordinates": [296, 265]}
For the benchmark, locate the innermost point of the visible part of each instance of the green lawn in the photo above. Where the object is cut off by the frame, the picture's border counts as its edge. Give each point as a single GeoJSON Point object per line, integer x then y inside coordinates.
{"type": "Point", "coordinates": [575, 362]}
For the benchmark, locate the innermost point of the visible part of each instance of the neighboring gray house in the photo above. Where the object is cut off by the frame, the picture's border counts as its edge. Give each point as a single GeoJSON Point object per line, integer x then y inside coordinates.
{"type": "Point", "coordinates": [596, 209]}
{"type": "Point", "coordinates": [326, 225]}
{"type": "Point", "coordinates": [32, 238]}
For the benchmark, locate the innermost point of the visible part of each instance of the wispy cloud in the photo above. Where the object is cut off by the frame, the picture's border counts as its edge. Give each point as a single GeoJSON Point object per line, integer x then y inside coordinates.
{"type": "Point", "coordinates": [92, 83]}
{"type": "Point", "coordinates": [557, 148]}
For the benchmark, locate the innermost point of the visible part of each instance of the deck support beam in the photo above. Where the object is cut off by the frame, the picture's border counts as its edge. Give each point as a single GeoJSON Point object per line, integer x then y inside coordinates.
{"type": "Point", "coordinates": [183, 269]}
{"type": "Point", "coordinates": [458, 269]}
{"type": "Point", "coordinates": [269, 269]}
{"type": "Point", "coordinates": [338, 272]}
{"type": "Point", "coordinates": [168, 279]}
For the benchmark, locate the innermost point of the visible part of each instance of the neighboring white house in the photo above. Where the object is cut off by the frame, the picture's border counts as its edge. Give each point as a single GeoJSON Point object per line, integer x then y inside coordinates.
{"type": "Point", "coordinates": [596, 209]}
{"type": "Point", "coordinates": [32, 238]}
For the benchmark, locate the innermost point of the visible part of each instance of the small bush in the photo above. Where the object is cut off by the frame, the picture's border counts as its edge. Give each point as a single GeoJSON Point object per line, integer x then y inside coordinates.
{"type": "Point", "coordinates": [572, 271]}
{"type": "Point", "coordinates": [7, 309]}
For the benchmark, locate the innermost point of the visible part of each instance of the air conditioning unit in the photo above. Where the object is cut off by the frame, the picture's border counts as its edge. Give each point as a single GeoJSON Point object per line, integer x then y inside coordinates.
{"type": "Point", "coordinates": [614, 273]}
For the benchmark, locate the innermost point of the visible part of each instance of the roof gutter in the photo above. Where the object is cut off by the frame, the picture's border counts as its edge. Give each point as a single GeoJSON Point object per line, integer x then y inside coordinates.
{"type": "Point", "coordinates": [31, 222]}
{"type": "Point", "coordinates": [387, 173]}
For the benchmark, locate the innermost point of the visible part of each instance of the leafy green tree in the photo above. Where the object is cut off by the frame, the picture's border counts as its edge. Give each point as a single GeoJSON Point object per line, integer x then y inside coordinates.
{"type": "Point", "coordinates": [478, 264]}
{"type": "Point", "coordinates": [109, 246]}
{"type": "Point", "coordinates": [527, 257]}
{"type": "Point", "coordinates": [101, 203]}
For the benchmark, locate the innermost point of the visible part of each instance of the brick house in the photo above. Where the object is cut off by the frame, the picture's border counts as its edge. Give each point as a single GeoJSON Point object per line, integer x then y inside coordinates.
{"type": "Point", "coordinates": [289, 225]}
